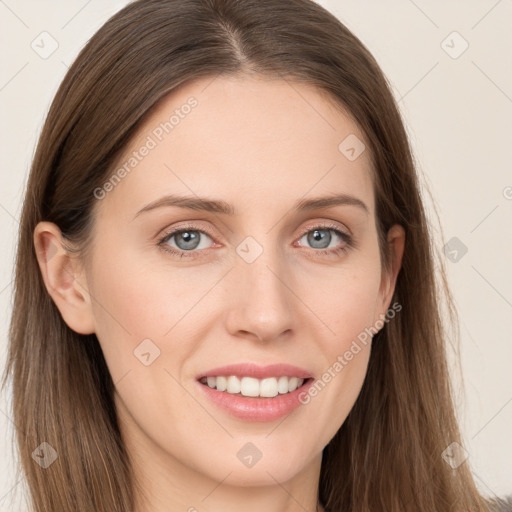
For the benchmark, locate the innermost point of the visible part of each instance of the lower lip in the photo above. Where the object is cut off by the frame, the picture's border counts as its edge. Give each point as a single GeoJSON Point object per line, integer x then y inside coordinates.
{"type": "Point", "coordinates": [256, 408]}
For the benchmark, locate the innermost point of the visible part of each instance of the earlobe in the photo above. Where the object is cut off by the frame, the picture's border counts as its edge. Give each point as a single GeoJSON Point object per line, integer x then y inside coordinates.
{"type": "Point", "coordinates": [64, 278]}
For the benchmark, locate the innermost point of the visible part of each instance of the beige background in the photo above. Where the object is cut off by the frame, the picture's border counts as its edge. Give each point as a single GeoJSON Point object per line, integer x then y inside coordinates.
{"type": "Point", "coordinates": [458, 109]}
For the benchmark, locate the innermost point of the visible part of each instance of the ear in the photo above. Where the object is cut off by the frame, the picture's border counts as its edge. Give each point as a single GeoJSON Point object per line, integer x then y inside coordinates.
{"type": "Point", "coordinates": [396, 244]}
{"type": "Point", "coordinates": [64, 278]}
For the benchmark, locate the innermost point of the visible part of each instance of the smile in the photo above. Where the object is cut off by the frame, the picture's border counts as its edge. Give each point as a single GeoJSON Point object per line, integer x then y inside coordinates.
{"type": "Point", "coordinates": [250, 386]}
{"type": "Point", "coordinates": [255, 393]}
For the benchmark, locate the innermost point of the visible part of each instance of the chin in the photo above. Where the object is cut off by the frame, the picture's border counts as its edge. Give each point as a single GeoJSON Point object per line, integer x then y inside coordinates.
{"type": "Point", "coordinates": [260, 462]}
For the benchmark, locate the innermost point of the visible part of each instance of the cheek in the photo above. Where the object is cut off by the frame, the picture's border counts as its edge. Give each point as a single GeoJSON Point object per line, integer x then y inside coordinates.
{"type": "Point", "coordinates": [135, 301]}
{"type": "Point", "coordinates": [349, 304]}
{"type": "Point", "coordinates": [348, 310]}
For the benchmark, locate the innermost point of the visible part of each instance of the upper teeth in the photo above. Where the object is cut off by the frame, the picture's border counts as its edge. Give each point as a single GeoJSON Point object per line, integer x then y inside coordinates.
{"type": "Point", "coordinates": [249, 386]}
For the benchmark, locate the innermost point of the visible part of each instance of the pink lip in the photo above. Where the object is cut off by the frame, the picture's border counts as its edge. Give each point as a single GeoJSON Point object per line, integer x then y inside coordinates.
{"type": "Point", "coordinates": [256, 408]}
{"type": "Point", "coordinates": [258, 372]}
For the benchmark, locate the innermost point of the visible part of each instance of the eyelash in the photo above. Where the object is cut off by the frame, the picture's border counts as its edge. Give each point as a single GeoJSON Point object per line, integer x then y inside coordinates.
{"type": "Point", "coordinates": [321, 252]}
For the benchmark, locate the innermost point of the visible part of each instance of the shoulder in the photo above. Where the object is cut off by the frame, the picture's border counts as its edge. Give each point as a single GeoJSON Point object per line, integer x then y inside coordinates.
{"type": "Point", "coordinates": [502, 504]}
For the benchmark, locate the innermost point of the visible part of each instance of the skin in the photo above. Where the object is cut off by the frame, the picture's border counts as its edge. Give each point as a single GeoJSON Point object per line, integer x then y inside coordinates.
{"type": "Point", "coordinates": [259, 145]}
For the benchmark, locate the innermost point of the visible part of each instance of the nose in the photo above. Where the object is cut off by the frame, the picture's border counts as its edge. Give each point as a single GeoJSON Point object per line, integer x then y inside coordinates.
{"type": "Point", "coordinates": [261, 299]}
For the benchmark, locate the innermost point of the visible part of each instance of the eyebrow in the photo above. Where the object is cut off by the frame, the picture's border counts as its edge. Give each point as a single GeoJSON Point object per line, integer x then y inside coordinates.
{"type": "Point", "coordinates": [219, 206]}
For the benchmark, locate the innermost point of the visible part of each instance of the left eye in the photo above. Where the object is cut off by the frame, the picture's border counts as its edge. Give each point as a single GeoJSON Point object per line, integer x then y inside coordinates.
{"type": "Point", "coordinates": [320, 238]}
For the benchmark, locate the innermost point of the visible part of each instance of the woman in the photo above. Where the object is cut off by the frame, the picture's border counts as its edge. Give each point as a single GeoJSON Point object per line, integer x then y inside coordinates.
{"type": "Point", "coordinates": [225, 288]}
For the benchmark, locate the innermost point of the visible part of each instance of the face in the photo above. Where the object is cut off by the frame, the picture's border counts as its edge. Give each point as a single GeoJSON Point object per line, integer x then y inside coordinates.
{"type": "Point", "coordinates": [259, 282]}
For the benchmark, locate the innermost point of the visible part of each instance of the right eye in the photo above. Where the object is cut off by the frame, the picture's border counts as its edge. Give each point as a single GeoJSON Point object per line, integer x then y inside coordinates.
{"type": "Point", "coordinates": [186, 240]}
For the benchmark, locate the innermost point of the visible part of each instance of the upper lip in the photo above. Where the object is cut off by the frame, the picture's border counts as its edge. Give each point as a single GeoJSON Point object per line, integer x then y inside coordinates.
{"type": "Point", "coordinates": [258, 372]}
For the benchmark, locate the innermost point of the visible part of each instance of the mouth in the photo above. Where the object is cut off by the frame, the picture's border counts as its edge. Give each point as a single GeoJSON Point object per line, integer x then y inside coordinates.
{"type": "Point", "coordinates": [255, 393]}
{"type": "Point", "coordinates": [251, 380]}
{"type": "Point", "coordinates": [252, 387]}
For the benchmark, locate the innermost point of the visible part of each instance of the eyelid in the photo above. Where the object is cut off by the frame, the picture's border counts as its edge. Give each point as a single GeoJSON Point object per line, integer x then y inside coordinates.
{"type": "Point", "coordinates": [326, 224]}
{"type": "Point", "coordinates": [191, 225]}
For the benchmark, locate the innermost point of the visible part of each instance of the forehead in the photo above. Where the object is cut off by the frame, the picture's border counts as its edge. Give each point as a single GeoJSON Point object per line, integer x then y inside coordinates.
{"type": "Point", "coordinates": [250, 141]}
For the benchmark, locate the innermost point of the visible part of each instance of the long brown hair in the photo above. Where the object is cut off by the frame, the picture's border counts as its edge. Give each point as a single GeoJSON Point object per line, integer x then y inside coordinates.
{"type": "Point", "coordinates": [387, 455]}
